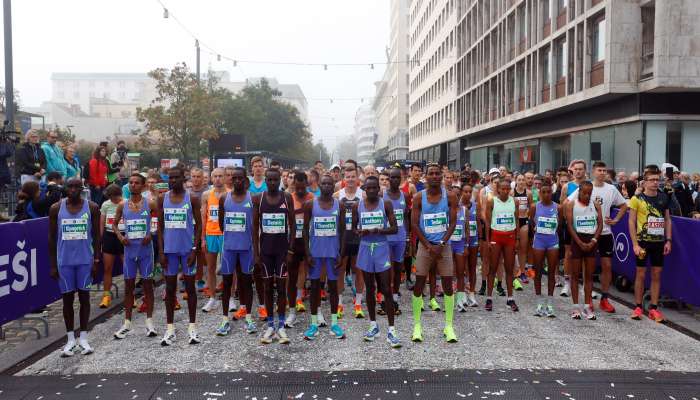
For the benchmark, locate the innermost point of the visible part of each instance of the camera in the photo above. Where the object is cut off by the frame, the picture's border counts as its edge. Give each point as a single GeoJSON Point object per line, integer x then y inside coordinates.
{"type": "Point", "coordinates": [9, 136]}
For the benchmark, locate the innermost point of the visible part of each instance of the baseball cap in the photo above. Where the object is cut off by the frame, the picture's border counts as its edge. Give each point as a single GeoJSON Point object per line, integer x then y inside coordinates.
{"type": "Point", "coordinates": [495, 171]}
{"type": "Point", "coordinates": [334, 166]}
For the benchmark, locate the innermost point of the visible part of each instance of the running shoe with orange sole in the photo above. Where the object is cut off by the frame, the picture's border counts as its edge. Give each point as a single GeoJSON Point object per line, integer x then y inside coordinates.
{"type": "Point", "coordinates": [177, 304]}
{"type": "Point", "coordinates": [262, 313]}
{"type": "Point", "coordinates": [106, 301]}
{"type": "Point", "coordinates": [531, 273]}
{"type": "Point", "coordinates": [605, 305]}
{"type": "Point", "coordinates": [323, 295]}
{"type": "Point", "coordinates": [300, 307]}
{"type": "Point", "coordinates": [358, 311]}
{"type": "Point", "coordinates": [637, 313]}
{"type": "Point", "coordinates": [185, 296]}
{"type": "Point", "coordinates": [655, 315]}
{"type": "Point", "coordinates": [240, 314]}
{"type": "Point", "coordinates": [340, 311]}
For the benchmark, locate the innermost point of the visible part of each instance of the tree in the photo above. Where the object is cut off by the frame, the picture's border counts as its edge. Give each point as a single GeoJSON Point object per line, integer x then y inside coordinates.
{"type": "Point", "coordinates": [16, 98]}
{"type": "Point", "coordinates": [184, 113]}
{"type": "Point", "coordinates": [319, 153]}
{"type": "Point", "coordinates": [267, 123]}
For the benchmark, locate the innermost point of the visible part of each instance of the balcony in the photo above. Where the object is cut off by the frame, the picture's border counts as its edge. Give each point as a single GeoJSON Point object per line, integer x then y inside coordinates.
{"type": "Point", "coordinates": [547, 28]}
{"type": "Point", "coordinates": [647, 66]}
{"type": "Point", "coordinates": [597, 73]}
{"type": "Point", "coordinates": [561, 18]}
{"type": "Point", "coordinates": [560, 88]}
{"type": "Point", "coordinates": [545, 94]}
{"type": "Point", "coordinates": [521, 103]}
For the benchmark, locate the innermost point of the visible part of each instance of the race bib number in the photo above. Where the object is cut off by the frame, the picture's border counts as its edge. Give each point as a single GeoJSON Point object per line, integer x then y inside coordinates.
{"type": "Point", "coordinates": [435, 223]}
{"type": "Point", "coordinates": [472, 229]}
{"type": "Point", "coordinates": [458, 234]}
{"type": "Point", "coordinates": [655, 226]}
{"type": "Point", "coordinates": [372, 220]}
{"type": "Point", "coordinates": [74, 229]}
{"type": "Point", "coordinates": [522, 203]}
{"type": "Point", "coordinates": [161, 186]}
{"type": "Point", "coordinates": [586, 224]}
{"type": "Point", "coordinates": [348, 220]}
{"type": "Point", "coordinates": [213, 212]}
{"type": "Point", "coordinates": [547, 225]}
{"type": "Point", "coordinates": [234, 221]}
{"type": "Point", "coordinates": [154, 224]}
{"type": "Point", "coordinates": [109, 220]}
{"type": "Point", "coordinates": [274, 223]}
{"type": "Point", "coordinates": [399, 217]}
{"type": "Point", "coordinates": [136, 228]}
{"type": "Point", "coordinates": [299, 222]}
{"type": "Point", "coordinates": [505, 222]}
{"type": "Point", "coordinates": [175, 218]}
{"type": "Point", "coordinates": [325, 227]}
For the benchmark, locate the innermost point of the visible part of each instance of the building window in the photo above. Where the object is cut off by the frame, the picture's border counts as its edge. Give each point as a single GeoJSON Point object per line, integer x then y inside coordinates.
{"type": "Point", "coordinates": [599, 40]}
{"type": "Point", "coordinates": [561, 59]}
{"type": "Point", "coordinates": [673, 142]}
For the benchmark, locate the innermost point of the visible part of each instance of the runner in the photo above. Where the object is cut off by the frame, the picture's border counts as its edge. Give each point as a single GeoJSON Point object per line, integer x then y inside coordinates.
{"type": "Point", "coordinates": [585, 224]}
{"type": "Point", "coordinates": [300, 196]}
{"type": "Point", "coordinates": [408, 190]}
{"type": "Point", "coordinates": [523, 200]}
{"type": "Point", "coordinates": [323, 221]}
{"type": "Point", "coordinates": [196, 186]}
{"type": "Point", "coordinates": [545, 217]}
{"type": "Point", "coordinates": [501, 235]}
{"type": "Point", "coordinates": [240, 238]}
{"type": "Point", "coordinates": [257, 181]}
{"type": "Point", "coordinates": [179, 237]}
{"type": "Point", "coordinates": [487, 193]}
{"type": "Point", "coordinates": [212, 236]}
{"type": "Point", "coordinates": [275, 220]}
{"type": "Point", "coordinates": [433, 219]}
{"type": "Point", "coordinates": [397, 242]}
{"type": "Point", "coordinates": [73, 253]}
{"type": "Point", "coordinates": [370, 219]}
{"type": "Point", "coordinates": [350, 195]}
{"type": "Point", "coordinates": [606, 196]}
{"type": "Point", "coordinates": [228, 177]}
{"type": "Point", "coordinates": [111, 247]}
{"type": "Point", "coordinates": [470, 245]}
{"type": "Point", "coordinates": [578, 169]}
{"type": "Point", "coordinates": [650, 232]}
{"type": "Point", "coordinates": [138, 251]}
{"type": "Point", "coordinates": [384, 180]}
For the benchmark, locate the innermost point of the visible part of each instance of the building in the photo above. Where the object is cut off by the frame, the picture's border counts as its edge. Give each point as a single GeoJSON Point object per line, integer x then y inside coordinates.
{"type": "Point", "coordinates": [79, 88]}
{"type": "Point", "coordinates": [365, 135]}
{"type": "Point", "coordinates": [390, 105]}
{"type": "Point", "coordinates": [540, 82]}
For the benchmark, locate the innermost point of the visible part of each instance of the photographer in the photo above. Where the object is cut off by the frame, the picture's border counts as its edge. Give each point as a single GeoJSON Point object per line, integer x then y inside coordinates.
{"type": "Point", "coordinates": [35, 202]}
{"type": "Point", "coordinates": [119, 159]}
{"type": "Point", "coordinates": [30, 159]}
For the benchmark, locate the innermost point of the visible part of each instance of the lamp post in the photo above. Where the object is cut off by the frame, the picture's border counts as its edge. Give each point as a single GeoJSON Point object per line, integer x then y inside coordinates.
{"type": "Point", "coordinates": [9, 87]}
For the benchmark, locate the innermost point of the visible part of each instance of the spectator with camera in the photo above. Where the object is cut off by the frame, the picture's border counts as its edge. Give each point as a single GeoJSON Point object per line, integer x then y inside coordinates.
{"type": "Point", "coordinates": [30, 160]}
{"type": "Point", "coordinates": [53, 154]}
{"type": "Point", "coordinates": [35, 199]}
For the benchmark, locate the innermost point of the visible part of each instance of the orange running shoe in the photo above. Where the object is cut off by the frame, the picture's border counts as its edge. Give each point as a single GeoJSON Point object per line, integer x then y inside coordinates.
{"type": "Point", "coordinates": [606, 306]}
{"type": "Point", "coordinates": [206, 292]}
{"type": "Point", "coordinates": [656, 315]}
{"type": "Point", "coordinates": [300, 307]}
{"type": "Point", "coordinates": [323, 295]}
{"type": "Point", "coordinates": [262, 313]}
{"type": "Point", "coordinates": [340, 311]}
{"type": "Point", "coordinates": [358, 311]}
{"type": "Point", "coordinates": [185, 296]}
{"type": "Point", "coordinates": [637, 313]}
{"type": "Point", "coordinates": [531, 273]}
{"type": "Point", "coordinates": [177, 304]}
{"type": "Point", "coordinates": [379, 297]}
{"type": "Point", "coordinates": [240, 314]}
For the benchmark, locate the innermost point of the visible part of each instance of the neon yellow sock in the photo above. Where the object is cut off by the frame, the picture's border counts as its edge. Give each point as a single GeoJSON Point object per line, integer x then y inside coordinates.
{"type": "Point", "coordinates": [449, 309]}
{"type": "Point", "coordinates": [417, 304]}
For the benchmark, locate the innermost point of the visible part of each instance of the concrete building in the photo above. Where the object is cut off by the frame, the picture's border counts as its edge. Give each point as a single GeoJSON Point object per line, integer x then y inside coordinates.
{"type": "Point", "coordinates": [536, 83]}
{"type": "Point", "coordinates": [390, 105]}
{"type": "Point", "coordinates": [365, 135]}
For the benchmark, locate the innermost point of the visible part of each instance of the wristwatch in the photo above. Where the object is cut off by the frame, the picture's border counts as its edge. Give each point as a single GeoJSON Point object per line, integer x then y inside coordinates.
{"type": "Point", "coordinates": [441, 243]}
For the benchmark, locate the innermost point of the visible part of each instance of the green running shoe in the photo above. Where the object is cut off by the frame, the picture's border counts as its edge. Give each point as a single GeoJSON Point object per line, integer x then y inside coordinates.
{"type": "Point", "coordinates": [517, 285]}
{"type": "Point", "coordinates": [434, 305]}
{"type": "Point", "coordinates": [449, 334]}
{"type": "Point", "coordinates": [417, 333]}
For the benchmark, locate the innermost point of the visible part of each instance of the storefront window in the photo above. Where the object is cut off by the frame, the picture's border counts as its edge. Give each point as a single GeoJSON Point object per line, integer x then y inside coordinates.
{"type": "Point", "coordinates": [522, 156]}
{"type": "Point", "coordinates": [478, 158]}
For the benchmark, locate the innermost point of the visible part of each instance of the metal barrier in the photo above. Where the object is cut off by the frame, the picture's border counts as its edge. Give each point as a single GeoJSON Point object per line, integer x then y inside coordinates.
{"type": "Point", "coordinates": [8, 201]}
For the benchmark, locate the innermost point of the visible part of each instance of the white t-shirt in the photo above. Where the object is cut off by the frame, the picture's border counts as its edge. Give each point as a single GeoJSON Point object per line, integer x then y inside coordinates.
{"type": "Point", "coordinates": [607, 196]}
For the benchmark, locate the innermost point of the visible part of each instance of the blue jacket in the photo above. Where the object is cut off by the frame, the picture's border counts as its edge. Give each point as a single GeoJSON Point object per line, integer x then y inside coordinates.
{"type": "Point", "coordinates": [54, 159]}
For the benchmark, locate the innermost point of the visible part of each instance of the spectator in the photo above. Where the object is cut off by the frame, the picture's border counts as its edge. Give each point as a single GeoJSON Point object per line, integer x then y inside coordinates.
{"type": "Point", "coordinates": [98, 168]}
{"type": "Point", "coordinates": [7, 151]}
{"type": "Point", "coordinates": [72, 162]}
{"type": "Point", "coordinates": [695, 184]}
{"type": "Point", "coordinates": [33, 202]}
{"type": "Point", "coordinates": [30, 159]}
{"type": "Point", "coordinates": [120, 160]}
{"type": "Point", "coordinates": [54, 154]}
{"type": "Point", "coordinates": [621, 179]}
{"type": "Point", "coordinates": [683, 192]}
{"type": "Point", "coordinates": [628, 189]}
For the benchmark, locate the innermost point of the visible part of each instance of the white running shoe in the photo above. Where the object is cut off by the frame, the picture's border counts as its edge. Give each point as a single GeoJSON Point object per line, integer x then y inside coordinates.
{"type": "Point", "coordinates": [194, 336]}
{"type": "Point", "coordinates": [321, 321]}
{"type": "Point", "coordinates": [232, 305]}
{"type": "Point", "coordinates": [87, 349]}
{"type": "Point", "coordinates": [282, 335]}
{"type": "Point", "coordinates": [168, 339]}
{"type": "Point", "coordinates": [471, 300]}
{"type": "Point", "coordinates": [211, 304]}
{"type": "Point", "coordinates": [150, 329]}
{"type": "Point", "coordinates": [268, 336]}
{"type": "Point", "coordinates": [588, 313]}
{"type": "Point", "coordinates": [290, 320]}
{"type": "Point", "coordinates": [68, 349]}
{"type": "Point", "coordinates": [122, 332]}
{"type": "Point", "coordinates": [566, 290]}
{"type": "Point", "coordinates": [461, 307]}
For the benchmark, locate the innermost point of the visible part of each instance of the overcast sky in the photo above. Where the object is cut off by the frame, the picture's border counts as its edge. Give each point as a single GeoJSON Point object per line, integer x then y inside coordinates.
{"type": "Point", "coordinates": [132, 36]}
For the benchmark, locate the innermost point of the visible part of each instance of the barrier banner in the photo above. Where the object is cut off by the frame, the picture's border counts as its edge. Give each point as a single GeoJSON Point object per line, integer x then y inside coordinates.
{"type": "Point", "coordinates": [25, 280]}
{"type": "Point", "coordinates": [680, 278]}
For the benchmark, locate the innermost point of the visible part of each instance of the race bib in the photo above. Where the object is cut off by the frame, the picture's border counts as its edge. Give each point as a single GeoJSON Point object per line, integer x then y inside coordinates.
{"type": "Point", "coordinates": [109, 220]}
{"type": "Point", "coordinates": [154, 224]}
{"type": "Point", "coordinates": [586, 224]}
{"type": "Point", "coordinates": [234, 221]}
{"type": "Point", "coordinates": [213, 212]}
{"type": "Point", "coordinates": [274, 223]}
{"type": "Point", "coordinates": [522, 203]}
{"type": "Point", "coordinates": [161, 186]}
{"type": "Point", "coordinates": [136, 228]}
{"type": "Point", "coordinates": [299, 222]}
{"type": "Point", "coordinates": [505, 222]}
{"type": "Point", "coordinates": [547, 225]}
{"type": "Point", "coordinates": [74, 229]}
{"type": "Point", "coordinates": [325, 226]}
{"type": "Point", "coordinates": [372, 220]}
{"type": "Point", "coordinates": [435, 223]}
{"type": "Point", "coordinates": [655, 226]}
{"type": "Point", "coordinates": [472, 229]}
{"type": "Point", "coordinates": [458, 234]}
{"type": "Point", "coordinates": [348, 220]}
{"type": "Point", "coordinates": [175, 218]}
{"type": "Point", "coordinates": [399, 216]}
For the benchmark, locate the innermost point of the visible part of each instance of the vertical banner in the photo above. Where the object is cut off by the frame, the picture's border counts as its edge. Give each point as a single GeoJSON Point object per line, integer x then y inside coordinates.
{"type": "Point", "coordinates": [680, 278]}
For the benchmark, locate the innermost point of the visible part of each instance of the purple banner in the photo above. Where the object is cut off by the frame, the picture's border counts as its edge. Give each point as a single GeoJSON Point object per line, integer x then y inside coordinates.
{"type": "Point", "coordinates": [680, 278]}
{"type": "Point", "coordinates": [25, 280]}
